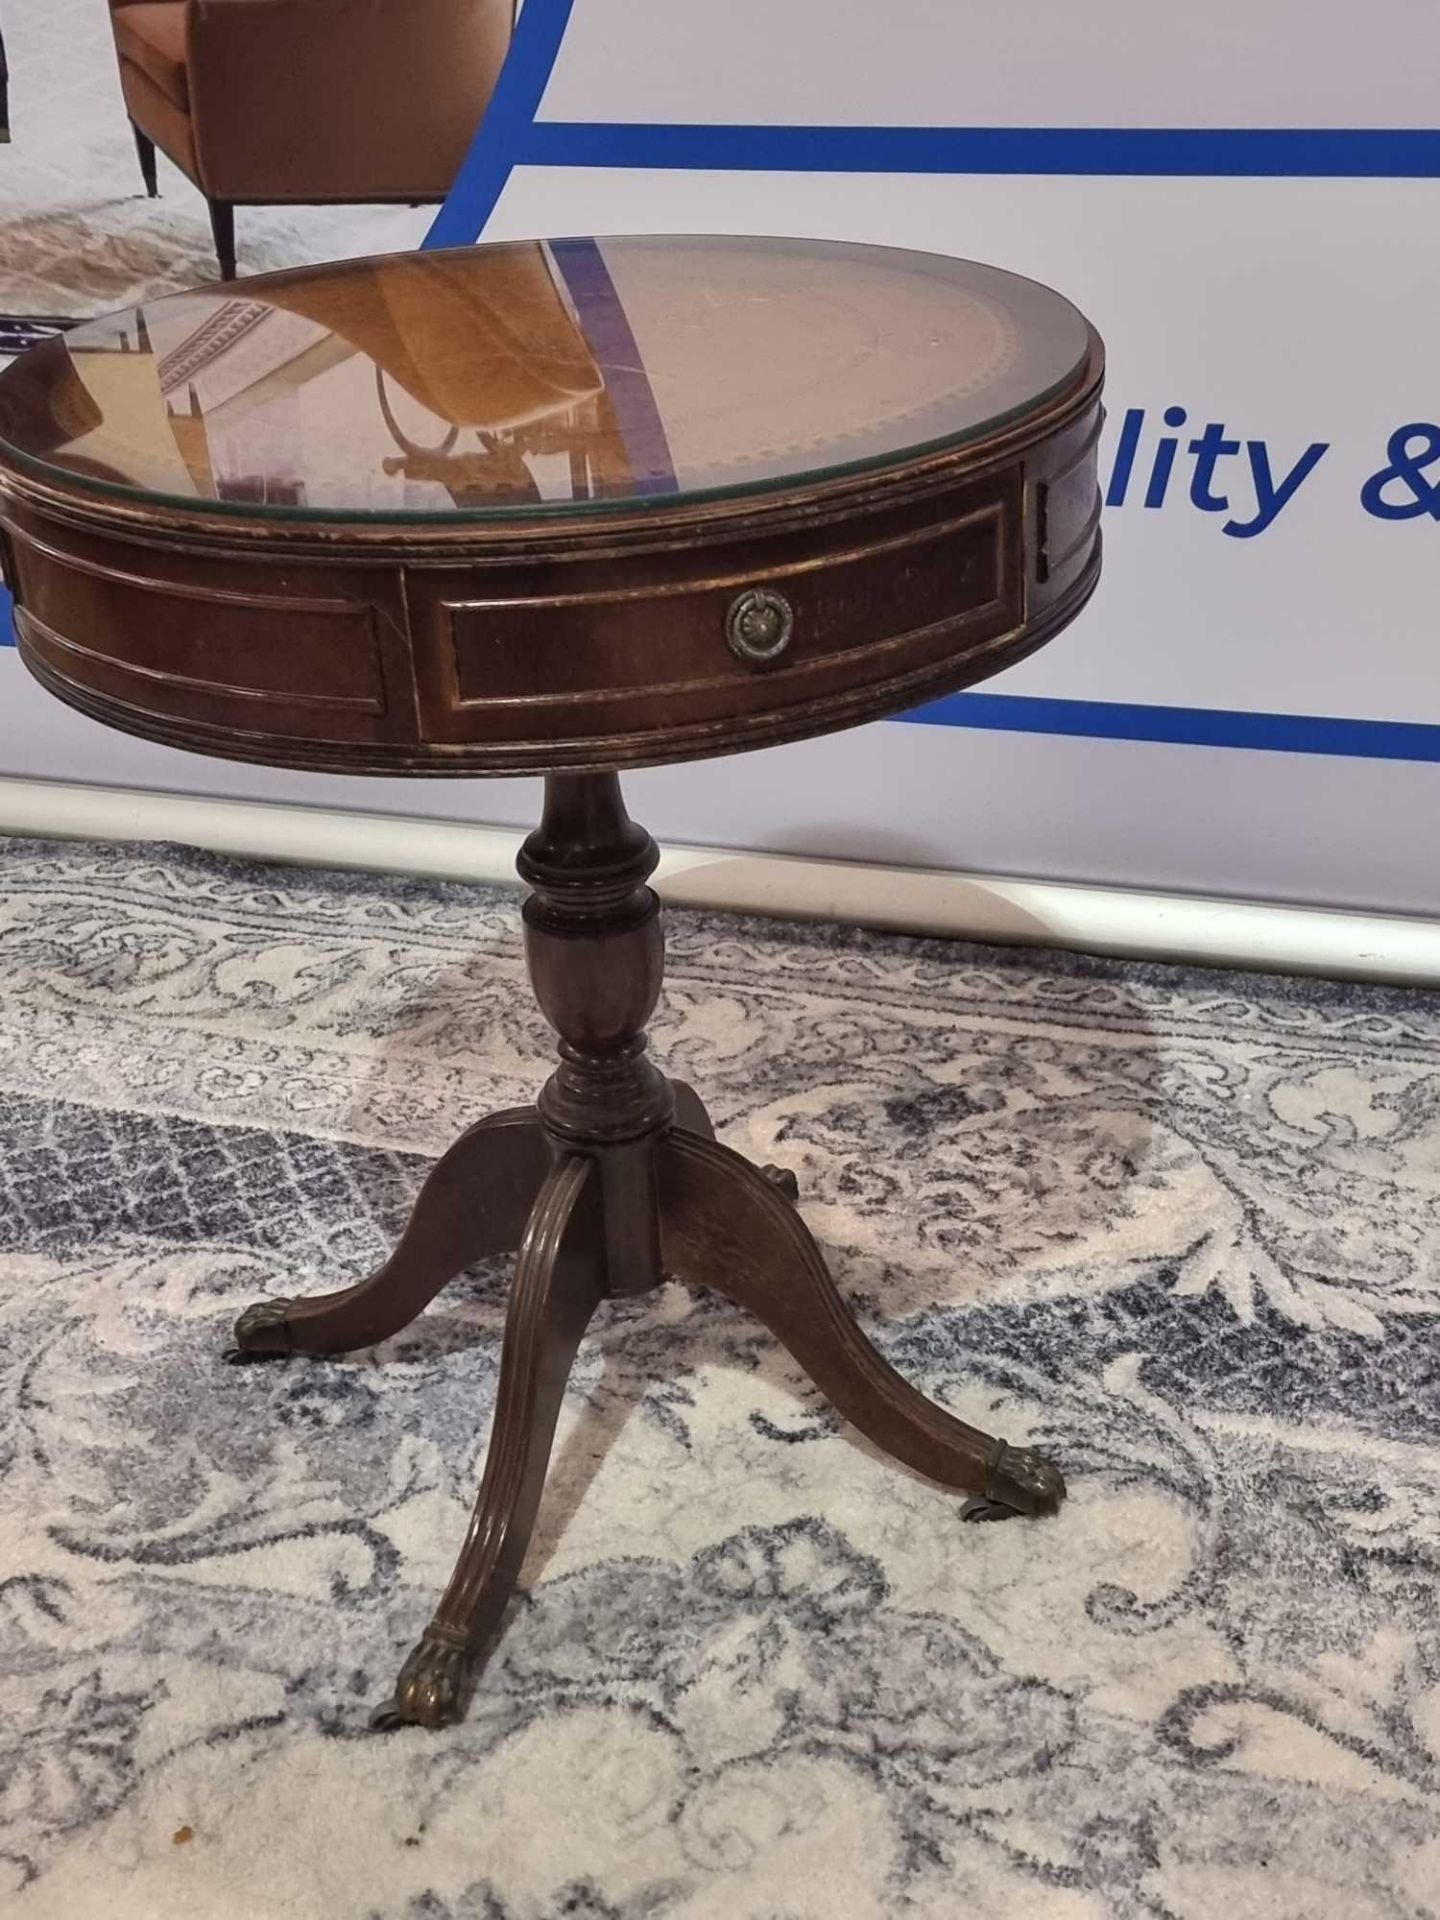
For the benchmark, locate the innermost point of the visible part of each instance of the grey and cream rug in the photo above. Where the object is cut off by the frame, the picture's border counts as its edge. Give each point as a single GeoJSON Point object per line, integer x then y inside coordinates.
{"type": "Point", "coordinates": [1181, 1227]}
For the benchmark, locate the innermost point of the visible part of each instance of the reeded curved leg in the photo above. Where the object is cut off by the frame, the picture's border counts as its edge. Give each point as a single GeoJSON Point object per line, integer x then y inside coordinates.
{"type": "Point", "coordinates": [690, 1111]}
{"type": "Point", "coordinates": [558, 1283]}
{"type": "Point", "coordinates": [474, 1202]}
{"type": "Point", "coordinates": [724, 1225]}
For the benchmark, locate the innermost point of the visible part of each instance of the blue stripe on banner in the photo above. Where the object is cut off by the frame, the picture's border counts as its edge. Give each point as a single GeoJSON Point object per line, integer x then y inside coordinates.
{"type": "Point", "coordinates": [504, 126]}
{"type": "Point", "coordinates": [607, 329]}
{"type": "Point", "coordinates": [1184, 726]}
{"type": "Point", "coordinates": [7, 625]}
{"type": "Point", "coordinates": [1296, 153]}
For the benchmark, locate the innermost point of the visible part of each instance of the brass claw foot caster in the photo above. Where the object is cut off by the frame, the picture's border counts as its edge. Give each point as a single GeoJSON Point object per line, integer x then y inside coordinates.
{"type": "Point", "coordinates": [784, 1181]}
{"type": "Point", "coordinates": [1019, 1481]}
{"type": "Point", "coordinates": [261, 1333]}
{"type": "Point", "coordinates": [432, 1685]}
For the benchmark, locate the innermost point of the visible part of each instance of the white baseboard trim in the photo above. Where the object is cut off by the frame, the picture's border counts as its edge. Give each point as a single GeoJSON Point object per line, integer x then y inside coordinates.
{"type": "Point", "coordinates": [1112, 920]}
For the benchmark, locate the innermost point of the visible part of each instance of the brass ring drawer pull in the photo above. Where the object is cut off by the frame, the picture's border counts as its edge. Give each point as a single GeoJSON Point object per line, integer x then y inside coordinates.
{"type": "Point", "coordinates": [758, 625]}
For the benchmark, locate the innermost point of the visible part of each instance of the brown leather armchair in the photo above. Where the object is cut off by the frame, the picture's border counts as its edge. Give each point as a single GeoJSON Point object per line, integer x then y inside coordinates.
{"type": "Point", "coordinates": [264, 101]}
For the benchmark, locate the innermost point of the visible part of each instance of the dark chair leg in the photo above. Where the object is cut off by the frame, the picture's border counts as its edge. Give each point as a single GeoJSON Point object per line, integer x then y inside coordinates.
{"type": "Point", "coordinates": [145, 147]}
{"type": "Point", "coordinates": [222, 225]}
{"type": "Point", "coordinates": [559, 1281]}
{"type": "Point", "coordinates": [724, 1225]}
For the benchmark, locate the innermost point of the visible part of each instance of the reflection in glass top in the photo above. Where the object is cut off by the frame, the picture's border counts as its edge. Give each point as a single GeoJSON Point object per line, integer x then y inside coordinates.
{"type": "Point", "coordinates": [528, 377]}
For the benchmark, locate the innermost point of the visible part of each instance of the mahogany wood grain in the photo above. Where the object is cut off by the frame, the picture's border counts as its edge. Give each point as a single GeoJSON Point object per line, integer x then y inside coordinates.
{"type": "Point", "coordinates": [579, 646]}
{"type": "Point", "coordinates": [477, 648]}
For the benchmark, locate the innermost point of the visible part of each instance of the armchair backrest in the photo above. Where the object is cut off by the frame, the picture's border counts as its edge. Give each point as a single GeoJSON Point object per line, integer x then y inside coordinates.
{"type": "Point", "coordinates": [309, 100]}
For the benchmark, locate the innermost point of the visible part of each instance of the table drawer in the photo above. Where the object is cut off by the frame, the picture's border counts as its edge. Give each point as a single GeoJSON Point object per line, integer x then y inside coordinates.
{"type": "Point", "coordinates": [630, 645]}
{"type": "Point", "coordinates": [283, 652]}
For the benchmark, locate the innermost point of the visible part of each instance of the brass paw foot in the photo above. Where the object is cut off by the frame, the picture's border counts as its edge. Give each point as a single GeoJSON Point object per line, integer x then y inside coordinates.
{"type": "Point", "coordinates": [432, 1685]}
{"type": "Point", "coordinates": [261, 1333]}
{"type": "Point", "coordinates": [784, 1181]}
{"type": "Point", "coordinates": [1020, 1481]}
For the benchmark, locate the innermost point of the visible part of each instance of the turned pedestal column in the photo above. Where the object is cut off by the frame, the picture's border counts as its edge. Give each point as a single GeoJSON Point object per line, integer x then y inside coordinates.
{"type": "Point", "coordinates": [612, 1184]}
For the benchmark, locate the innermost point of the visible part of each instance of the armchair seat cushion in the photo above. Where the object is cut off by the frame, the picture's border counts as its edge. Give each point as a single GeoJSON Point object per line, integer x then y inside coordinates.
{"type": "Point", "coordinates": [150, 34]}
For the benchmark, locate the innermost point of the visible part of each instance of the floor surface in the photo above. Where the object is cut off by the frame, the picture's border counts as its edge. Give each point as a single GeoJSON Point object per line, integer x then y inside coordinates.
{"type": "Point", "coordinates": [1179, 1227]}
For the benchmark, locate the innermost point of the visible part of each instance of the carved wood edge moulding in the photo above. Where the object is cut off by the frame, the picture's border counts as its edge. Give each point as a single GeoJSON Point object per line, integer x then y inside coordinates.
{"type": "Point", "coordinates": [450, 647]}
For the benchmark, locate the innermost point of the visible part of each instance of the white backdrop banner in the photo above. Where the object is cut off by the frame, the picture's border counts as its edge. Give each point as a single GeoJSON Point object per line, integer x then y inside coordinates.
{"type": "Point", "coordinates": [1244, 200]}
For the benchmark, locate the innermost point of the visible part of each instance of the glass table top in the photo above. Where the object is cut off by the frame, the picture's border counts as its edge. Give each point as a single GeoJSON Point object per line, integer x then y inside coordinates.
{"type": "Point", "coordinates": [538, 377]}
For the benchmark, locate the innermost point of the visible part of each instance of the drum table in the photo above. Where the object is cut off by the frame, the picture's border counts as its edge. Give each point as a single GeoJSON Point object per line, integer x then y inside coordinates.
{"type": "Point", "coordinates": [566, 508]}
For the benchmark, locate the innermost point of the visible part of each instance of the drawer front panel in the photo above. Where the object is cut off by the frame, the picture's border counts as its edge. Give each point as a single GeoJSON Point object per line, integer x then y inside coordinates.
{"type": "Point", "coordinates": [610, 657]}
{"type": "Point", "coordinates": [1068, 515]}
{"type": "Point", "coordinates": [306, 662]}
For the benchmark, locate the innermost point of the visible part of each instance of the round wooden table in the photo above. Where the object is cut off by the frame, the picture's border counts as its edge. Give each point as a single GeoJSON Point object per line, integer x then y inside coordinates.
{"type": "Point", "coordinates": [572, 508]}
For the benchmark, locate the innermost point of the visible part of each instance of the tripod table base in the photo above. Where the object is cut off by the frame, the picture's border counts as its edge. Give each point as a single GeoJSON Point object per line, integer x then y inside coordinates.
{"type": "Point", "coordinates": [611, 1185]}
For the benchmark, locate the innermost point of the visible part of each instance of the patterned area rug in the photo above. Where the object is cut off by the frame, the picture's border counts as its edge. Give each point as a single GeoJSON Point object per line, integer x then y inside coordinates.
{"type": "Point", "coordinates": [1179, 1227]}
